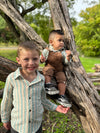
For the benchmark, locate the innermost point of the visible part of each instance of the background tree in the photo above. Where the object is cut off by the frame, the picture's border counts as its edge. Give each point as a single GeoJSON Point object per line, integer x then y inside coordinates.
{"type": "Point", "coordinates": [85, 99]}
{"type": "Point", "coordinates": [87, 32]}
{"type": "Point", "coordinates": [31, 11]}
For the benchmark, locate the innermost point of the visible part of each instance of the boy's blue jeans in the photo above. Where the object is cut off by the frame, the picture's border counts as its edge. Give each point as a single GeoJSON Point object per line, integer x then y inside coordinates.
{"type": "Point", "coordinates": [39, 131]}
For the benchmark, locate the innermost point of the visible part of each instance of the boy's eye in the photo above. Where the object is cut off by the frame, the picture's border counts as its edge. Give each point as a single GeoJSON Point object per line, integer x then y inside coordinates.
{"type": "Point", "coordinates": [35, 59]}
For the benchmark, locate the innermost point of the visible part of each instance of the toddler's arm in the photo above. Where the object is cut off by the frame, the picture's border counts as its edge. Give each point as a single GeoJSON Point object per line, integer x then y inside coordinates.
{"type": "Point", "coordinates": [44, 55]}
{"type": "Point", "coordinates": [42, 58]}
{"type": "Point", "coordinates": [62, 109]}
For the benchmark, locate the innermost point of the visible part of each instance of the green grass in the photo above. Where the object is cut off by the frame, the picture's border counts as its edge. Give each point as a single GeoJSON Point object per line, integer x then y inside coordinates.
{"type": "Point", "coordinates": [89, 62]}
{"type": "Point", "coordinates": [10, 54]}
{"type": "Point", "coordinates": [61, 123]}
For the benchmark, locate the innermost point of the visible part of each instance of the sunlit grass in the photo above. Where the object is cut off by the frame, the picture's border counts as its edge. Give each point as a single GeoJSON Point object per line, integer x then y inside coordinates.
{"type": "Point", "coordinates": [9, 54]}
{"type": "Point", "coordinates": [89, 62]}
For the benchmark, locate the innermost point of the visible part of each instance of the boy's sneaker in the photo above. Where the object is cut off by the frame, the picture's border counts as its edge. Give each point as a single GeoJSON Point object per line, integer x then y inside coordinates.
{"type": "Point", "coordinates": [62, 99]}
{"type": "Point", "coordinates": [50, 89]}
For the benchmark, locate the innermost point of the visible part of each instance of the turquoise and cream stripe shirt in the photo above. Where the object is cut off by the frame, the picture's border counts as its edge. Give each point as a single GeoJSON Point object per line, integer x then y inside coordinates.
{"type": "Point", "coordinates": [23, 102]}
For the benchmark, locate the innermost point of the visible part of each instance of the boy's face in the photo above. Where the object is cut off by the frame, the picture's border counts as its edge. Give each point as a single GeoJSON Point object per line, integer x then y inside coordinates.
{"type": "Point", "coordinates": [29, 60]}
{"type": "Point", "coordinates": [57, 42]}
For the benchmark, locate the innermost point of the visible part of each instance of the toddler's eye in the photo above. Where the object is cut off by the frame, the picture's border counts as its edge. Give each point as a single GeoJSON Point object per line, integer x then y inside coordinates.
{"type": "Point", "coordinates": [60, 40]}
{"type": "Point", "coordinates": [26, 59]}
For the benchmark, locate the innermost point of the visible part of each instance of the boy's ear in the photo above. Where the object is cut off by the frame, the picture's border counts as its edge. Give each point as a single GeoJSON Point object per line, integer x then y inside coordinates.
{"type": "Point", "coordinates": [17, 59]}
{"type": "Point", "coordinates": [51, 42]}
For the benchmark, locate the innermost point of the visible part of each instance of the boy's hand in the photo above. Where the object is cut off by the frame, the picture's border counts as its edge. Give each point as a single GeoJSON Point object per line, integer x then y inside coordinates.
{"type": "Point", "coordinates": [7, 125]}
{"type": "Point", "coordinates": [42, 58]}
{"type": "Point", "coordinates": [62, 109]}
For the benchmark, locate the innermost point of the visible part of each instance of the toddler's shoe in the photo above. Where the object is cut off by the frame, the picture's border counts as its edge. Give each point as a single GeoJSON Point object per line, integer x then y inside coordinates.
{"type": "Point", "coordinates": [63, 100]}
{"type": "Point", "coordinates": [51, 89]}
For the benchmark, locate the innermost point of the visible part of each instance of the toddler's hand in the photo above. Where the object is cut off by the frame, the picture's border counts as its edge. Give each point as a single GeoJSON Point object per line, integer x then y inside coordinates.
{"type": "Point", "coordinates": [42, 58]}
{"type": "Point", "coordinates": [62, 109]}
{"type": "Point", "coordinates": [7, 125]}
{"type": "Point", "coordinates": [68, 52]}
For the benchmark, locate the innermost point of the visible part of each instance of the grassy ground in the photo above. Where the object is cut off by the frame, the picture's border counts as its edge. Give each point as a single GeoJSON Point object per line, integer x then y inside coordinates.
{"type": "Point", "coordinates": [55, 122]}
{"type": "Point", "coordinates": [89, 62]}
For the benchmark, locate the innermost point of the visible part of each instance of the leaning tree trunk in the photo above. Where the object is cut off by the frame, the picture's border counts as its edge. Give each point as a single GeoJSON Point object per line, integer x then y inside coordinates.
{"type": "Point", "coordinates": [86, 100]}
{"type": "Point", "coordinates": [14, 15]}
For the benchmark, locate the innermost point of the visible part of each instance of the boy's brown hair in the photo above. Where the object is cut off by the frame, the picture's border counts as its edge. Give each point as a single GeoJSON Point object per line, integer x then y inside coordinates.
{"type": "Point", "coordinates": [28, 45]}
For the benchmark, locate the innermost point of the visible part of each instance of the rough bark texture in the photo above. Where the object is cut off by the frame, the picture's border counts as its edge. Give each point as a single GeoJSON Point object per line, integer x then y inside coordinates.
{"type": "Point", "coordinates": [85, 99]}
{"type": "Point", "coordinates": [6, 67]}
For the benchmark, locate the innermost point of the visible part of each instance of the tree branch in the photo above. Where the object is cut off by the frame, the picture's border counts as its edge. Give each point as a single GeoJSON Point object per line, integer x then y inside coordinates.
{"type": "Point", "coordinates": [36, 5]}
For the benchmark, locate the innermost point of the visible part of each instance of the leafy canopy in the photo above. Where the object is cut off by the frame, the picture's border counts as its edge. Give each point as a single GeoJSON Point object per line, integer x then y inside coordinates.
{"type": "Point", "coordinates": [87, 32]}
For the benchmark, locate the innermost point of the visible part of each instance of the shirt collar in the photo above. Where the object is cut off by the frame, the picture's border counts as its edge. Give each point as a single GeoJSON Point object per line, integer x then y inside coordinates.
{"type": "Point", "coordinates": [52, 49]}
{"type": "Point", "coordinates": [18, 74]}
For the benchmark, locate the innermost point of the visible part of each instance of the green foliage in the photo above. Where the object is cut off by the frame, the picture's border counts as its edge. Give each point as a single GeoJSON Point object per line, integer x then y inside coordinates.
{"type": "Point", "coordinates": [87, 32]}
{"type": "Point", "coordinates": [2, 85]}
{"type": "Point", "coordinates": [38, 17]}
{"type": "Point", "coordinates": [2, 23]}
{"type": "Point", "coordinates": [43, 25]}
{"type": "Point", "coordinates": [5, 34]}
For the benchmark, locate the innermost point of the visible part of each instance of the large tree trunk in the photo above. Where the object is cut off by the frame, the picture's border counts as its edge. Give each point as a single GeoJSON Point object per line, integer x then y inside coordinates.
{"type": "Point", "coordinates": [86, 100]}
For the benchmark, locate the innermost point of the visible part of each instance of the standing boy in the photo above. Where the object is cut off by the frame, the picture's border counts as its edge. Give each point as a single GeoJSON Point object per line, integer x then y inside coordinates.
{"type": "Point", "coordinates": [55, 57]}
{"type": "Point", "coordinates": [24, 94]}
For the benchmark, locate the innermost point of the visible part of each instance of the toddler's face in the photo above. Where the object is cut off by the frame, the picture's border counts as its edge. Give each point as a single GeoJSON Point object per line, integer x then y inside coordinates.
{"type": "Point", "coordinates": [29, 60]}
{"type": "Point", "coordinates": [57, 42]}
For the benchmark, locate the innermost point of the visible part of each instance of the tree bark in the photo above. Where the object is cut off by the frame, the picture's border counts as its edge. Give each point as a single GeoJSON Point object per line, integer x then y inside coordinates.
{"type": "Point", "coordinates": [10, 11]}
{"type": "Point", "coordinates": [85, 98]}
{"type": "Point", "coordinates": [6, 67]}
{"type": "Point", "coordinates": [96, 74]}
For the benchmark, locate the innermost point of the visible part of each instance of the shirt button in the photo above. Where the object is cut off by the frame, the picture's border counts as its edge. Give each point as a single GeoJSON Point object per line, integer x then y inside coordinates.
{"type": "Point", "coordinates": [30, 110]}
{"type": "Point", "coordinates": [29, 121]}
{"type": "Point", "coordinates": [29, 97]}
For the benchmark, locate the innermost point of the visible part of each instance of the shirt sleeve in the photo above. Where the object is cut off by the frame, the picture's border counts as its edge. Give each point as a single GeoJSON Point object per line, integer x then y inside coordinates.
{"type": "Point", "coordinates": [64, 54]}
{"type": "Point", "coordinates": [47, 103]}
{"type": "Point", "coordinates": [6, 104]}
{"type": "Point", "coordinates": [45, 53]}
